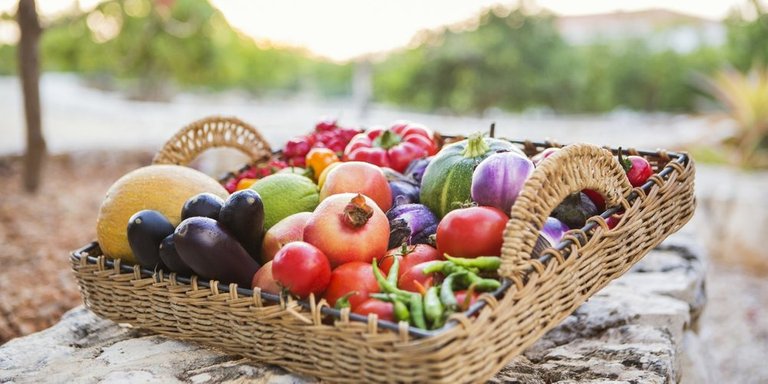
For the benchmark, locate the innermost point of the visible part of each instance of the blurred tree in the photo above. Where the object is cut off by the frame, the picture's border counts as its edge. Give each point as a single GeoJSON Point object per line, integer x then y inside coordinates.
{"type": "Point", "coordinates": [153, 44]}
{"type": "Point", "coordinates": [748, 37]}
{"type": "Point", "coordinates": [29, 68]}
{"type": "Point", "coordinates": [512, 60]}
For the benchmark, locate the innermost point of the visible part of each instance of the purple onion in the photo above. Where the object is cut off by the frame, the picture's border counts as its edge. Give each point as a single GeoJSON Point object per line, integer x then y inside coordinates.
{"type": "Point", "coordinates": [498, 180]}
{"type": "Point", "coordinates": [554, 230]}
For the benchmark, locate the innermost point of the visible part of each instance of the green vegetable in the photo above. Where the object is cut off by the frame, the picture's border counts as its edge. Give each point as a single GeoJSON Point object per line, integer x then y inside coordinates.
{"type": "Point", "coordinates": [447, 180]}
{"type": "Point", "coordinates": [417, 312]}
{"type": "Point", "coordinates": [433, 308]}
{"type": "Point", "coordinates": [446, 293]}
{"type": "Point", "coordinates": [483, 263]}
{"type": "Point", "coordinates": [401, 311]}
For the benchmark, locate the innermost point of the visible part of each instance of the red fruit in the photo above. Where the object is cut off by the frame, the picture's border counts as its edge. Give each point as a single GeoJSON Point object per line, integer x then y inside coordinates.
{"type": "Point", "coordinates": [596, 198]}
{"type": "Point", "coordinates": [472, 232]}
{"type": "Point", "coordinates": [263, 279]}
{"type": "Point", "coordinates": [348, 227]}
{"type": "Point", "coordinates": [385, 263]}
{"type": "Point", "coordinates": [348, 133]}
{"type": "Point", "coordinates": [285, 231]}
{"type": "Point", "coordinates": [299, 161]}
{"type": "Point", "coordinates": [298, 146]}
{"type": "Point", "coordinates": [325, 125]}
{"type": "Point", "coordinates": [231, 185]}
{"type": "Point", "coordinates": [358, 177]}
{"type": "Point", "coordinates": [613, 220]}
{"type": "Point", "coordinates": [414, 276]}
{"type": "Point", "coordinates": [638, 169]}
{"type": "Point", "coordinates": [414, 254]}
{"type": "Point", "coordinates": [384, 310]}
{"type": "Point", "coordinates": [302, 269]}
{"type": "Point", "coordinates": [351, 277]}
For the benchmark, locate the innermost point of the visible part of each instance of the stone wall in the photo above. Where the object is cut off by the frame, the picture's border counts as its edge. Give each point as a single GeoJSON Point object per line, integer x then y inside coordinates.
{"type": "Point", "coordinates": [642, 328]}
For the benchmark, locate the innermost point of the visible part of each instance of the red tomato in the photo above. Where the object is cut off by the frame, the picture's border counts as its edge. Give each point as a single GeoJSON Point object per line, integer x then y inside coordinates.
{"type": "Point", "coordinates": [385, 263]}
{"type": "Point", "coordinates": [409, 279]}
{"type": "Point", "coordinates": [472, 232]}
{"type": "Point", "coordinates": [351, 277]}
{"type": "Point", "coordinates": [414, 254]}
{"type": "Point", "coordinates": [302, 269]}
{"type": "Point", "coordinates": [384, 310]}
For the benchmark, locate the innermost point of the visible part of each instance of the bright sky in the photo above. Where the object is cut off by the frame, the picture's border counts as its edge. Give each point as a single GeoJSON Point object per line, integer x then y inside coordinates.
{"type": "Point", "coordinates": [343, 29]}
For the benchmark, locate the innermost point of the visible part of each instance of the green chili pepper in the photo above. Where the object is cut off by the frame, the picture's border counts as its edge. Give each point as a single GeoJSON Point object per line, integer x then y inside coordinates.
{"type": "Point", "coordinates": [483, 263]}
{"type": "Point", "coordinates": [433, 308]}
{"type": "Point", "coordinates": [386, 286]}
{"type": "Point", "coordinates": [481, 284]}
{"type": "Point", "coordinates": [393, 271]}
{"type": "Point", "coordinates": [417, 312]}
{"type": "Point", "coordinates": [401, 311]}
{"type": "Point", "coordinates": [343, 302]}
{"type": "Point", "coordinates": [446, 292]}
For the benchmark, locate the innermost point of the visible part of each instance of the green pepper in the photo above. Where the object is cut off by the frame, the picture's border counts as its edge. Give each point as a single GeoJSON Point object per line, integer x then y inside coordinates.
{"type": "Point", "coordinates": [433, 308]}
{"type": "Point", "coordinates": [483, 263]}
{"type": "Point", "coordinates": [481, 284]}
{"type": "Point", "coordinates": [446, 293]}
{"type": "Point", "coordinates": [343, 302]}
{"type": "Point", "coordinates": [393, 271]}
{"type": "Point", "coordinates": [401, 311]}
{"type": "Point", "coordinates": [386, 286]}
{"type": "Point", "coordinates": [447, 268]}
{"type": "Point", "coordinates": [417, 312]}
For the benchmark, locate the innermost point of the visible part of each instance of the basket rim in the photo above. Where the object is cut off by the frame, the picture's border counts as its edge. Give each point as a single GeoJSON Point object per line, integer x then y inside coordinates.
{"type": "Point", "coordinates": [681, 159]}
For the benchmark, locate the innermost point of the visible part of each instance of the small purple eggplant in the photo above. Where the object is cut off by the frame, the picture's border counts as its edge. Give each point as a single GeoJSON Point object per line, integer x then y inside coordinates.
{"type": "Point", "coordinates": [499, 179]}
{"type": "Point", "coordinates": [411, 224]}
{"type": "Point", "coordinates": [416, 169]}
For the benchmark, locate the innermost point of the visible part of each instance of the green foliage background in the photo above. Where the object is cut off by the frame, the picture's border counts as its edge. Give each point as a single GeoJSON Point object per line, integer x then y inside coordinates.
{"type": "Point", "coordinates": [511, 59]}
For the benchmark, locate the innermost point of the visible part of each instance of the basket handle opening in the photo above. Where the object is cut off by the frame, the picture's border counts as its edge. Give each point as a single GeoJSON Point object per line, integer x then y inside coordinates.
{"type": "Point", "coordinates": [570, 170]}
{"type": "Point", "coordinates": [213, 132]}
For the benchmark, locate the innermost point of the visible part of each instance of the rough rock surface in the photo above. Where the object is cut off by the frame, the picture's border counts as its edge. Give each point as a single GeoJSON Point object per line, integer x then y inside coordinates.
{"type": "Point", "coordinates": [639, 329]}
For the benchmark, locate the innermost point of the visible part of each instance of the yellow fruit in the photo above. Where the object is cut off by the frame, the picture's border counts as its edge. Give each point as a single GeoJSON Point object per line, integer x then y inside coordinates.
{"type": "Point", "coordinates": [163, 188]}
{"type": "Point", "coordinates": [324, 174]}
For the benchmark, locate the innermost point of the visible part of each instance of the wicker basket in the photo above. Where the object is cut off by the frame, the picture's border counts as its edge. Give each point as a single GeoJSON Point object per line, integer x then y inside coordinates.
{"type": "Point", "coordinates": [536, 295]}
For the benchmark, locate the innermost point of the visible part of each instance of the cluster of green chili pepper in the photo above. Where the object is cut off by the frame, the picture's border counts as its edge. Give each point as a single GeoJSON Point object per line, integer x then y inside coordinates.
{"type": "Point", "coordinates": [438, 302]}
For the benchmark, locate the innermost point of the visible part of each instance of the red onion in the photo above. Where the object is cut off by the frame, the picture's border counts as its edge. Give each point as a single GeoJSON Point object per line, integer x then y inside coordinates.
{"type": "Point", "coordinates": [498, 180]}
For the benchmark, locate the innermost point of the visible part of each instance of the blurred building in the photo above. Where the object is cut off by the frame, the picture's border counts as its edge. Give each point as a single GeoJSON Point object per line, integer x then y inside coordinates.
{"type": "Point", "coordinates": [663, 29]}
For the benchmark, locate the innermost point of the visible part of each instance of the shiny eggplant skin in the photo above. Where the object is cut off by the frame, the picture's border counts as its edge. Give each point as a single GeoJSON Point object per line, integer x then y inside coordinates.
{"type": "Point", "coordinates": [212, 252]}
{"type": "Point", "coordinates": [243, 215]}
{"type": "Point", "coordinates": [146, 229]}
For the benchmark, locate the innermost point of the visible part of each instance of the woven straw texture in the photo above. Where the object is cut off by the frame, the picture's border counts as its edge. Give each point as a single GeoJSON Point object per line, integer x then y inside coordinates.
{"type": "Point", "coordinates": [341, 350]}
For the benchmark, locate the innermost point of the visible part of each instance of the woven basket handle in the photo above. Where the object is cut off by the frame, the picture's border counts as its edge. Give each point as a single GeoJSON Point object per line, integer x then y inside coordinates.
{"type": "Point", "coordinates": [575, 167]}
{"type": "Point", "coordinates": [213, 132]}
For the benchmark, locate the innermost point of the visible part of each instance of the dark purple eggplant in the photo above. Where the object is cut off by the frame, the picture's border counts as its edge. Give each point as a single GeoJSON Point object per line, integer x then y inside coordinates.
{"type": "Point", "coordinates": [243, 215]}
{"type": "Point", "coordinates": [404, 192]}
{"type": "Point", "coordinates": [416, 169]}
{"type": "Point", "coordinates": [146, 229]}
{"type": "Point", "coordinates": [212, 252]}
{"type": "Point", "coordinates": [171, 258]}
{"type": "Point", "coordinates": [204, 205]}
{"type": "Point", "coordinates": [575, 210]}
{"type": "Point", "coordinates": [411, 224]}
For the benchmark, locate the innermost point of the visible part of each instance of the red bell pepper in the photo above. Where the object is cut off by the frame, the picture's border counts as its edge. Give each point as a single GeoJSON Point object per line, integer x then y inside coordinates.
{"type": "Point", "coordinates": [395, 147]}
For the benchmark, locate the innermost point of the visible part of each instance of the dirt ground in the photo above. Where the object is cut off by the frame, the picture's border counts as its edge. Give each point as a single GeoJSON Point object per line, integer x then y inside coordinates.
{"type": "Point", "coordinates": [37, 232]}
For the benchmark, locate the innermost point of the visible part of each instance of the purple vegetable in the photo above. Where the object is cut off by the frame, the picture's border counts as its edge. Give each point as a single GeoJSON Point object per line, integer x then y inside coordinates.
{"type": "Point", "coordinates": [411, 224]}
{"type": "Point", "coordinates": [498, 180]}
{"type": "Point", "coordinates": [554, 230]}
{"type": "Point", "coordinates": [416, 169]}
{"type": "Point", "coordinates": [404, 192]}
{"type": "Point", "coordinates": [551, 234]}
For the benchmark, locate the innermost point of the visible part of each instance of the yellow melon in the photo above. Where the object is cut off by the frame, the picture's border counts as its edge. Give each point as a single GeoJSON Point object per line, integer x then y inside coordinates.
{"type": "Point", "coordinates": [163, 188]}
